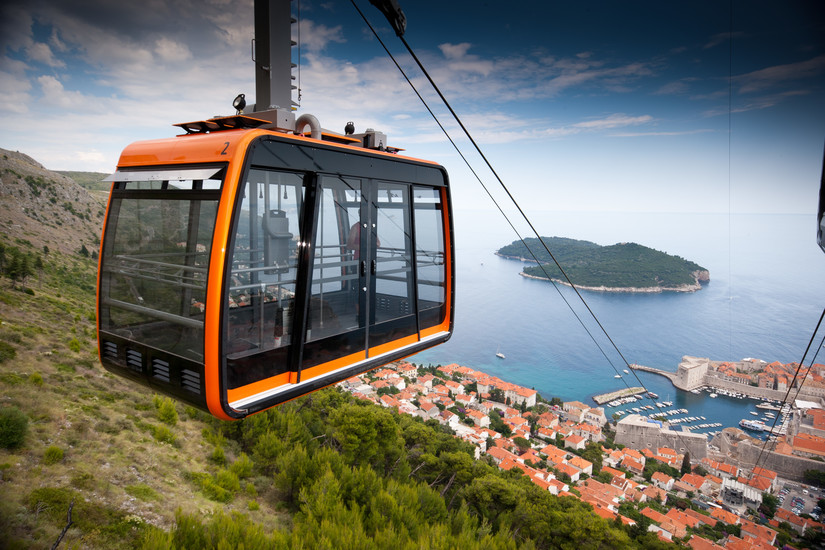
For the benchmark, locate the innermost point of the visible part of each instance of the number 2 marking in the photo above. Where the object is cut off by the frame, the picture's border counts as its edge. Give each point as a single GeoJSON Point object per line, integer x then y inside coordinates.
{"type": "Point", "coordinates": [225, 147]}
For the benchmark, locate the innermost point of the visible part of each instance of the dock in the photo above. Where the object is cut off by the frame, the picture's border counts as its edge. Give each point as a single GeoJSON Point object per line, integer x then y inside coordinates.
{"type": "Point", "coordinates": [608, 397]}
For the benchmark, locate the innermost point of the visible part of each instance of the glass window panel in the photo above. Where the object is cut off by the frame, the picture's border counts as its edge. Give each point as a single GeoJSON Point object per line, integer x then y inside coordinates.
{"type": "Point", "coordinates": [154, 275]}
{"type": "Point", "coordinates": [430, 256]}
{"type": "Point", "coordinates": [393, 257]}
{"type": "Point", "coordinates": [333, 305]}
{"type": "Point", "coordinates": [261, 289]}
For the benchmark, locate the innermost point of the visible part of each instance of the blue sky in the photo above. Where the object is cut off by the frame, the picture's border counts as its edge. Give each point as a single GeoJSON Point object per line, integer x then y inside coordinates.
{"type": "Point", "coordinates": [591, 106]}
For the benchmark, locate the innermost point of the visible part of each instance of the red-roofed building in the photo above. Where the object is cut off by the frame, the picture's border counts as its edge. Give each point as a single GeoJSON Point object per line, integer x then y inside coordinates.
{"type": "Point", "coordinates": [584, 466]}
{"type": "Point", "coordinates": [799, 524]}
{"type": "Point", "coordinates": [721, 469]}
{"type": "Point", "coordinates": [629, 463]}
{"type": "Point", "coordinates": [588, 431]}
{"type": "Point", "coordinates": [653, 515]}
{"type": "Point", "coordinates": [662, 480]}
{"type": "Point", "coordinates": [499, 454]}
{"type": "Point", "coordinates": [768, 475]}
{"type": "Point", "coordinates": [695, 481]}
{"type": "Point", "coordinates": [429, 409]}
{"type": "Point", "coordinates": [569, 470]}
{"type": "Point", "coordinates": [613, 472]}
{"type": "Point", "coordinates": [759, 532]}
{"type": "Point", "coordinates": [677, 515]}
{"type": "Point", "coordinates": [698, 543]}
{"type": "Point", "coordinates": [479, 419]}
{"type": "Point", "coordinates": [817, 417]}
{"type": "Point", "coordinates": [746, 543]}
{"type": "Point", "coordinates": [547, 420]}
{"type": "Point", "coordinates": [464, 400]}
{"type": "Point", "coordinates": [655, 493]}
{"type": "Point", "coordinates": [554, 454]}
{"type": "Point", "coordinates": [700, 518]}
{"type": "Point", "coordinates": [724, 516]}
{"type": "Point", "coordinates": [575, 442]}
{"type": "Point", "coordinates": [808, 445]}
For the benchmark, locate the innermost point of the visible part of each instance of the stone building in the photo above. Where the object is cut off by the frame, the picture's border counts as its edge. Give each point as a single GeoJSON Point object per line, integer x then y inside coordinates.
{"type": "Point", "coordinates": [638, 432]}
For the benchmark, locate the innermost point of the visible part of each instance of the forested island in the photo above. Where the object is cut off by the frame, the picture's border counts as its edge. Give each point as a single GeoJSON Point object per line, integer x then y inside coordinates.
{"type": "Point", "coordinates": [622, 267]}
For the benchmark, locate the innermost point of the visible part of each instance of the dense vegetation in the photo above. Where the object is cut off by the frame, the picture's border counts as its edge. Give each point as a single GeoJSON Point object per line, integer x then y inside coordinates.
{"type": "Point", "coordinates": [622, 265]}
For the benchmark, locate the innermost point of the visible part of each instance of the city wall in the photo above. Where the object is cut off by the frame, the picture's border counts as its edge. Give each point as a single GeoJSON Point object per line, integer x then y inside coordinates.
{"type": "Point", "coordinates": [639, 434]}
{"type": "Point", "coordinates": [746, 452]}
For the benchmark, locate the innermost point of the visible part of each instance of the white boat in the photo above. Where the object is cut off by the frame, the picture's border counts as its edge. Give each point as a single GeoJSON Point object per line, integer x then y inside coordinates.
{"type": "Point", "coordinates": [499, 354]}
{"type": "Point", "coordinates": [713, 395]}
{"type": "Point", "coordinates": [626, 371]}
{"type": "Point", "coordinates": [617, 376]}
{"type": "Point", "coordinates": [754, 425]}
{"type": "Point", "coordinates": [754, 413]}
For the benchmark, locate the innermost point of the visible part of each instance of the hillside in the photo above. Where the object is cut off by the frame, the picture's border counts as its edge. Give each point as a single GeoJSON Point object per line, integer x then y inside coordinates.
{"type": "Point", "coordinates": [45, 208]}
{"type": "Point", "coordinates": [622, 267]}
{"type": "Point", "coordinates": [141, 471]}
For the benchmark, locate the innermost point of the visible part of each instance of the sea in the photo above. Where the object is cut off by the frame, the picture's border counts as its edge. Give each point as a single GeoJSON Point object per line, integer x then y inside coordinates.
{"type": "Point", "coordinates": [764, 299]}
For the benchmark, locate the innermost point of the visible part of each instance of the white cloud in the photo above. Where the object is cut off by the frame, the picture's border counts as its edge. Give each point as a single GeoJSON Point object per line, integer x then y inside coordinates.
{"type": "Point", "coordinates": [172, 51]}
{"type": "Point", "coordinates": [15, 92]}
{"type": "Point", "coordinates": [42, 53]}
{"type": "Point", "coordinates": [613, 121]}
{"type": "Point", "coordinates": [777, 75]}
{"type": "Point", "coordinates": [54, 95]}
{"type": "Point", "coordinates": [316, 37]}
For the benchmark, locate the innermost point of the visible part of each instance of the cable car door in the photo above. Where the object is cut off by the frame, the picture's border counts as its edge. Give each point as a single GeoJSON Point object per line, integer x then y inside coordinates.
{"type": "Point", "coordinates": [362, 277]}
{"type": "Point", "coordinates": [390, 269]}
{"type": "Point", "coordinates": [336, 327]}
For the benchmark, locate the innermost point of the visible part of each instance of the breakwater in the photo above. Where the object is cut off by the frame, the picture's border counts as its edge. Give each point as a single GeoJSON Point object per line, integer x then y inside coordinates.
{"type": "Point", "coordinates": [672, 376]}
{"type": "Point", "coordinates": [608, 397]}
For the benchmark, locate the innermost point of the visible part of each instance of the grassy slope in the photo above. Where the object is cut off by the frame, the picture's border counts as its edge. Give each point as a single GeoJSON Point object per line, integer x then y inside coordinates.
{"type": "Point", "coordinates": [120, 475]}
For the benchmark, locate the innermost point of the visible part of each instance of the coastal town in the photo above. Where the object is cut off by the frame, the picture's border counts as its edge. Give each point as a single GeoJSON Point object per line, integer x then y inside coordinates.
{"type": "Point", "coordinates": [637, 469]}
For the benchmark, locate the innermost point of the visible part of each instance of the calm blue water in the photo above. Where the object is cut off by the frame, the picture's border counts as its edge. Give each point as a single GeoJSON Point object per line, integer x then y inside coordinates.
{"type": "Point", "coordinates": [763, 300]}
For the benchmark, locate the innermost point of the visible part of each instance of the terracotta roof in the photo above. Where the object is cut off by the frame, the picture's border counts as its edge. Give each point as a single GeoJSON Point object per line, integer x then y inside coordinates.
{"type": "Point", "coordinates": [654, 515]}
{"type": "Point", "coordinates": [724, 516]}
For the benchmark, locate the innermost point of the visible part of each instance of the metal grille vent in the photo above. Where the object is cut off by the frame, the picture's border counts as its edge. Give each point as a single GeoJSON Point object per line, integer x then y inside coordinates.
{"type": "Point", "coordinates": [191, 381]}
{"type": "Point", "coordinates": [109, 350]}
{"type": "Point", "coordinates": [160, 369]}
{"type": "Point", "coordinates": [134, 360]}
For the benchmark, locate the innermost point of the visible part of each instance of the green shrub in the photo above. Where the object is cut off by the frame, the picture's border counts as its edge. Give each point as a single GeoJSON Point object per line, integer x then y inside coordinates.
{"type": "Point", "coordinates": [36, 379]}
{"type": "Point", "coordinates": [52, 455]}
{"type": "Point", "coordinates": [228, 480]}
{"type": "Point", "coordinates": [163, 434]}
{"type": "Point", "coordinates": [167, 413]}
{"type": "Point", "coordinates": [253, 505]}
{"type": "Point", "coordinates": [74, 345]}
{"type": "Point", "coordinates": [13, 427]}
{"type": "Point", "coordinates": [218, 456]}
{"type": "Point", "coordinates": [242, 467]}
{"type": "Point", "coordinates": [7, 352]}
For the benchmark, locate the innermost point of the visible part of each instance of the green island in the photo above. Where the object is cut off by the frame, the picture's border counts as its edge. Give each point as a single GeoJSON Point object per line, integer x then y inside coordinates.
{"type": "Point", "coordinates": [622, 267]}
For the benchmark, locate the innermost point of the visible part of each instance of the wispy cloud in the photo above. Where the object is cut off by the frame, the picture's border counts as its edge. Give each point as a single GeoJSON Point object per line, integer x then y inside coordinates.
{"type": "Point", "coordinates": [778, 75]}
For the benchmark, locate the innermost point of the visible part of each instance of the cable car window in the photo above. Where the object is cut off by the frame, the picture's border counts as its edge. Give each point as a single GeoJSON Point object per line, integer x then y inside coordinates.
{"type": "Point", "coordinates": [154, 270]}
{"type": "Point", "coordinates": [430, 256]}
{"type": "Point", "coordinates": [263, 260]}
{"type": "Point", "coordinates": [392, 263]}
{"type": "Point", "coordinates": [333, 306]}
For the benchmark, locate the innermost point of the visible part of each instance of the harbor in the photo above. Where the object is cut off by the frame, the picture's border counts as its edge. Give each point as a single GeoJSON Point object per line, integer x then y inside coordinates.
{"type": "Point", "coordinates": [707, 411]}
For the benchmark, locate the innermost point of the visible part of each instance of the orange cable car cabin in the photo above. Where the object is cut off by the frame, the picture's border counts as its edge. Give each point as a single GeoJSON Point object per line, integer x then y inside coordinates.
{"type": "Point", "coordinates": [242, 267]}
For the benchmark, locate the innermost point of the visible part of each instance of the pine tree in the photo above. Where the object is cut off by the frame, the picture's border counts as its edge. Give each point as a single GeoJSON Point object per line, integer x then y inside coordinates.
{"type": "Point", "coordinates": [686, 464]}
